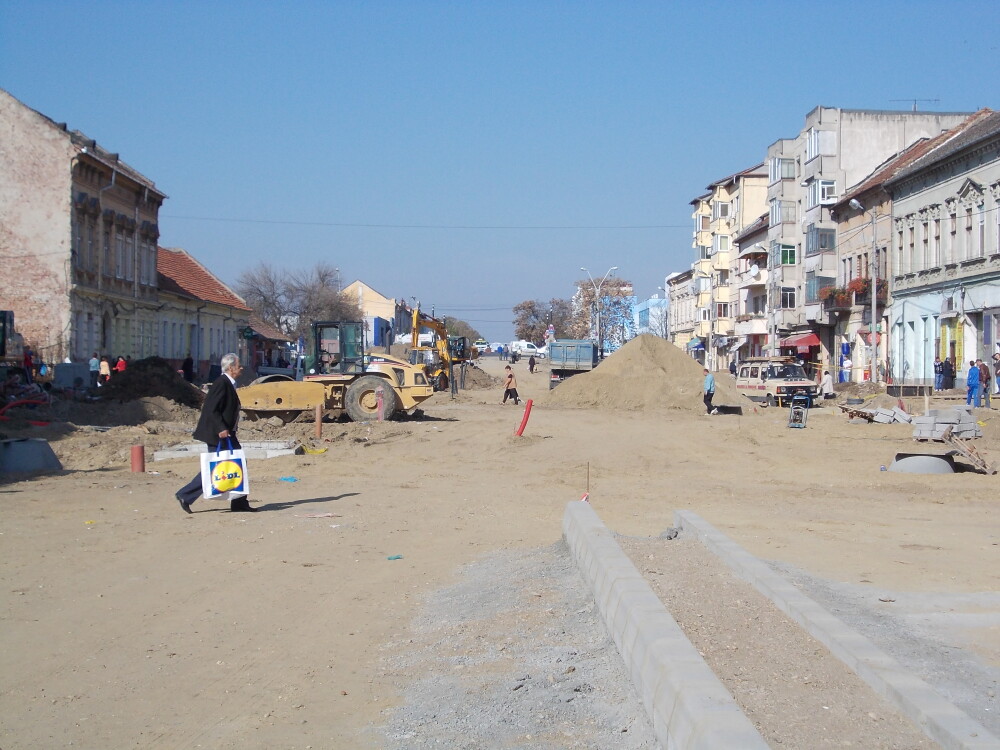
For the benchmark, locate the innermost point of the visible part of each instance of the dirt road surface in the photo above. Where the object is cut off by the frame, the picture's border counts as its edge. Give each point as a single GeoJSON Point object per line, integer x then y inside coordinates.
{"type": "Point", "coordinates": [330, 618]}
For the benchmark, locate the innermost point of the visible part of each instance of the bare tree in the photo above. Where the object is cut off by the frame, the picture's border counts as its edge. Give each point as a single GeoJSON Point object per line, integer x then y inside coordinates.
{"type": "Point", "coordinates": [293, 300]}
{"type": "Point", "coordinates": [532, 318]}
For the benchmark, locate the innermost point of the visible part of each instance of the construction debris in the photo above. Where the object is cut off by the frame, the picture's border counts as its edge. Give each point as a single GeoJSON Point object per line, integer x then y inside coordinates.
{"type": "Point", "coordinates": [880, 415]}
{"type": "Point", "coordinates": [968, 451]}
{"type": "Point", "coordinates": [957, 420]}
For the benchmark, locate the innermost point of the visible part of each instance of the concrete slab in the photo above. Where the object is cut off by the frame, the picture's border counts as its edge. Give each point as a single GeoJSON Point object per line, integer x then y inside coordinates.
{"type": "Point", "coordinates": [253, 449]}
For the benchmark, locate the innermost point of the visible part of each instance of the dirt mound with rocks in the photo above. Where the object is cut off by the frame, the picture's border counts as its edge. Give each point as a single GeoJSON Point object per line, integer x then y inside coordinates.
{"type": "Point", "coordinates": [150, 377]}
{"type": "Point", "coordinates": [647, 373]}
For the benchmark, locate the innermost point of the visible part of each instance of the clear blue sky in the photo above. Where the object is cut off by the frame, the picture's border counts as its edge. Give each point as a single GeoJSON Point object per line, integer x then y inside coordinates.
{"type": "Point", "coordinates": [470, 154]}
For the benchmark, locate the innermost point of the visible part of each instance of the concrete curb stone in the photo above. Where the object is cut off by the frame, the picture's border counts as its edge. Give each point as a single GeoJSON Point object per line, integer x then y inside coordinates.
{"type": "Point", "coordinates": [688, 706]}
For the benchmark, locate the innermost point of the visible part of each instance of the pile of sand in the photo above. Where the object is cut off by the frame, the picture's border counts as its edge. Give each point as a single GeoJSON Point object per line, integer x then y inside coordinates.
{"type": "Point", "coordinates": [647, 373]}
{"type": "Point", "coordinates": [151, 377]}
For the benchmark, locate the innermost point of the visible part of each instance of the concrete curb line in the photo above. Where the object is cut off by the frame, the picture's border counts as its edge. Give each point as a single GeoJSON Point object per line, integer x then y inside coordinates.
{"type": "Point", "coordinates": [686, 703]}
{"type": "Point", "coordinates": [940, 720]}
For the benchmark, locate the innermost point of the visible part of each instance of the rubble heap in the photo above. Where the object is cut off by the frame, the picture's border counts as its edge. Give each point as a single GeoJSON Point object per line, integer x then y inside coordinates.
{"type": "Point", "coordinates": [152, 376]}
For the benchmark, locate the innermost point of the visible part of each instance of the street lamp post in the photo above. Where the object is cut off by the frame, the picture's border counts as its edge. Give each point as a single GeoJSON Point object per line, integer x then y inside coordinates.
{"type": "Point", "coordinates": [873, 289]}
{"type": "Point", "coordinates": [597, 304]}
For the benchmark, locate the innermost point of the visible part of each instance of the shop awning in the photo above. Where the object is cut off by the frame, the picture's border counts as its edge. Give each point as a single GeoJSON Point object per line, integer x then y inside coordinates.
{"type": "Point", "coordinates": [801, 342]}
{"type": "Point", "coordinates": [740, 342]}
{"type": "Point", "coordinates": [695, 343]}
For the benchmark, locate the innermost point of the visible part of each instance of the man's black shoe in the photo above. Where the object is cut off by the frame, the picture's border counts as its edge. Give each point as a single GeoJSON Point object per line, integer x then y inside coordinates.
{"type": "Point", "coordinates": [241, 505]}
{"type": "Point", "coordinates": [185, 505]}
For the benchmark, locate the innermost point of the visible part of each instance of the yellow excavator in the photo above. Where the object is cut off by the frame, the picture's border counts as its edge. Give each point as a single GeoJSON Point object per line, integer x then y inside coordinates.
{"type": "Point", "coordinates": [442, 354]}
{"type": "Point", "coordinates": [340, 376]}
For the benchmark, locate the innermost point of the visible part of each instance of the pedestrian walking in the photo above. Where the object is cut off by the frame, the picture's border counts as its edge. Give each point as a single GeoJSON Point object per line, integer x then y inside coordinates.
{"type": "Point", "coordinates": [105, 370]}
{"type": "Point", "coordinates": [709, 389]}
{"type": "Point", "coordinates": [95, 370]}
{"type": "Point", "coordinates": [826, 385]}
{"type": "Point", "coordinates": [972, 385]}
{"type": "Point", "coordinates": [984, 382]}
{"type": "Point", "coordinates": [510, 386]}
{"type": "Point", "coordinates": [217, 423]}
{"type": "Point", "coordinates": [531, 364]}
{"type": "Point", "coordinates": [948, 370]}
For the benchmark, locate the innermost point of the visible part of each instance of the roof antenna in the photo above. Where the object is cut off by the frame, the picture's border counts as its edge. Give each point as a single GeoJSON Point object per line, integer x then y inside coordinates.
{"type": "Point", "coordinates": [931, 101]}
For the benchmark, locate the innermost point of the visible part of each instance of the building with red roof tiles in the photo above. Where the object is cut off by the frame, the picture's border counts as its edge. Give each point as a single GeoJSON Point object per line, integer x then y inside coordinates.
{"type": "Point", "coordinates": [200, 316]}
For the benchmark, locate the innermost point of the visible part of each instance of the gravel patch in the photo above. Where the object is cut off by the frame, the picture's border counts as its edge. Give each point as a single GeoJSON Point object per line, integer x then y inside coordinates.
{"type": "Point", "coordinates": [513, 655]}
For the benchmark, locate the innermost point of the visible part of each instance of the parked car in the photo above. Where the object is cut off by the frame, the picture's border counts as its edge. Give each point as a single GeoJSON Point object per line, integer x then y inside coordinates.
{"type": "Point", "coordinates": [526, 349]}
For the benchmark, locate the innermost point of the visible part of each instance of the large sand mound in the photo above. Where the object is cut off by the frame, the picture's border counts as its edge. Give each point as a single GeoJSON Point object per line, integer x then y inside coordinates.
{"type": "Point", "coordinates": [647, 373]}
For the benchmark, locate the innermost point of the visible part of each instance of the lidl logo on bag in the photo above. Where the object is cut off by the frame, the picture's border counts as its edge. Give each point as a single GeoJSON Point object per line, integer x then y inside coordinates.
{"type": "Point", "coordinates": [227, 476]}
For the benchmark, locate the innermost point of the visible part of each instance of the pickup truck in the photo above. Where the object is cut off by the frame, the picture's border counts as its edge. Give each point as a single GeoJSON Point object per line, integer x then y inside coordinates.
{"type": "Point", "coordinates": [568, 357]}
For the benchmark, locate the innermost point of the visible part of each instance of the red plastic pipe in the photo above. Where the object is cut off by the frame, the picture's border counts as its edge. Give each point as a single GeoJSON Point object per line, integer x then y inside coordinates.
{"type": "Point", "coordinates": [524, 419]}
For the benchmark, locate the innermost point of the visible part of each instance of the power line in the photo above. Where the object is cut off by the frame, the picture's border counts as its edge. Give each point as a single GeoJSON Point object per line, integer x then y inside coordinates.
{"type": "Point", "coordinates": [358, 225]}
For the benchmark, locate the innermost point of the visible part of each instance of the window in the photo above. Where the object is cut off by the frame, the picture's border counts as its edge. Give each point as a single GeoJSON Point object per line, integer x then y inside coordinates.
{"type": "Point", "coordinates": [925, 245]}
{"type": "Point", "coordinates": [820, 240]}
{"type": "Point", "coordinates": [706, 313]}
{"type": "Point", "coordinates": [981, 248]}
{"type": "Point", "coordinates": [119, 253]}
{"type": "Point", "coordinates": [755, 372]}
{"type": "Point", "coordinates": [720, 243]}
{"type": "Point", "coordinates": [783, 255]}
{"type": "Point", "coordinates": [936, 243]}
{"type": "Point", "coordinates": [704, 252]}
{"type": "Point", "coordinates": [787, 298]}
{"type": "Point", "coordinates": [814, 285]}
{"type": "Point", "coordinates": [780, 169]}
{"type": "Point", "coordinates": [822, 192]}
{"type": "Point", "coordinates": [720, 210]}
{"type": "Point", "coordinates": [721, 309]}
{"type": "Point", "coordinates": [701, 222]}
{"type": "Point", "coordinates": [812, 144]}
{"type": "Point", "coordinates": [911, 255]}
{"type": "Point", "coordinates": [848, 272]}
{"type": "Point", "coordinates": [723, 278]}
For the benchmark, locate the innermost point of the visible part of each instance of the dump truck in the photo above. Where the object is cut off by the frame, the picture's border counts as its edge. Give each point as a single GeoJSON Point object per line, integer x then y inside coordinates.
{"type": "Point", "coordinates": [569, 357]}
{"type": "Point", "coordinates": [342, 377]}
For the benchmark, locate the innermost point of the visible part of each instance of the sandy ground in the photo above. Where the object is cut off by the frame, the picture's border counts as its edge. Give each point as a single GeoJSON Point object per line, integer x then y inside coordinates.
{"type": "Point", "coordinates": [131, 624]}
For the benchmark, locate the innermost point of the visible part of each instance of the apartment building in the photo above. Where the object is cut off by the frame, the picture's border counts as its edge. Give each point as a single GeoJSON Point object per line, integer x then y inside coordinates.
{"type": "Point", "coordinates": [864, 219]}
{"type": "Point", "coordinates": [806, 174]}
{"type": "Point", "coordinates": [749, 279]}
{"type": "Point", "coordinates": [701, 276]}
{"type": "Point", "coordinates": [651, 316]}
{"type": "Point", "coordinates": [682, 315]}
{"type": "Point", "coordinates": [945, 250]}
{"type": "Point", "coordinates": [719, 216]}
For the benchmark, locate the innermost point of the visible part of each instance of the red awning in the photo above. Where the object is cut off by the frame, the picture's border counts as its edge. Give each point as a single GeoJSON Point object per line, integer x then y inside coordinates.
{"type": "Point", "coordinates": [802, 342]}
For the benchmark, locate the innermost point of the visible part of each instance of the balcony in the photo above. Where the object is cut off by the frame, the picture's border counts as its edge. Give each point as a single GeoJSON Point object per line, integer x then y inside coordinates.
{"type": "Point", "coordinates": [751, 325]}
{"type": "Point", "coordinates": [745, 279]}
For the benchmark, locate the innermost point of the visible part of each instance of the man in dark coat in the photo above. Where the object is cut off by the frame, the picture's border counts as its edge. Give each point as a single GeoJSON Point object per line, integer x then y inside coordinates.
{"type": "Point", "coordinates": [217, 424]}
